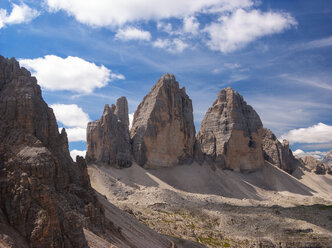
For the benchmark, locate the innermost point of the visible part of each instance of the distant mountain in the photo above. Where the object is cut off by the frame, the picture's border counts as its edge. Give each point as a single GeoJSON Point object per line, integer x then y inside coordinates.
{"type": "Point", "coordinates": [328, 159]}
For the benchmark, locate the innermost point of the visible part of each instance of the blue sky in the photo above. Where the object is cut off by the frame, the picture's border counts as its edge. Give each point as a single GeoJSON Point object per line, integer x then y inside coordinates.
{"type": "Point", "coordinates": [85, 54]}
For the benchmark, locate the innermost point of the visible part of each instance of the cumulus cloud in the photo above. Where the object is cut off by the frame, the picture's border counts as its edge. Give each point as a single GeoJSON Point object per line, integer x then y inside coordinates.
{"type": "Point", "coordinates": [74, 119]}
{"type": "Point", "coordinates": [131, 33]}
{"type": "Point", "coordinates": [174, 46]}
{"type": "Point", "coordinates": [316, 154]}
{"type": "Point", "coordinates": [71, 73]}
{"type": "Point", "coordinates": [20, 14]}
{"type": "Point", "coordinates": [238, 29]}
{"type": "Point", "coordinates": [319, 133]}
{"type": "Point", "coordinates": [70, 115]}
{"type": "Point", "coordinates": [74, 153]}
{"type": "Point", "coordinates": [117, 13]}
{"type": "Point", "coordinates": [75, 134]}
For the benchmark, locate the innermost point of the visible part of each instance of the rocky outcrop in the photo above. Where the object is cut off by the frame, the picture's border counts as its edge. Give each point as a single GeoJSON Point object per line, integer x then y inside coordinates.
{"type": "Point", "coordinates": [45, 198]}
{"type": "Point", "coordinates": [315, 165]}
{"type": "Point", "coordinates": [108, 139]}
{"type": "Point", "coordinates": [278, 153]}
{"type": "Point", "coordinates": [230, 134]}
{"type": "Point", "coordinates": [163, 132]}
{"type": "Point", "coordinates": [328, 159]}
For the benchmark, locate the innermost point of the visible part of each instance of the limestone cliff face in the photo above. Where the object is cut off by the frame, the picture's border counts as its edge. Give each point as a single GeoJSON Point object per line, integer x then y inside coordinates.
{"type": "Point", "coordinates": [45, 198]}
{"type": "Point", "coordinates": [108, 139]}
{"type": "Point", "coordinates": [230, 134]}
{"type": "Point", "coordinates": [278, 153]}
{"type": "Point", "coordinates": [163, 132]}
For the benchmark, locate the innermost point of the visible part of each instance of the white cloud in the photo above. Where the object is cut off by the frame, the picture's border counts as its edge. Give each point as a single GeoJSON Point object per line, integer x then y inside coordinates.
{"type": "Point", "coordinates": [75, 134]}
{"type": "Point", "coordinates": [19, 14]}
{"type": "Point", "coordinates": [117, 13]}
{"type": "Point", "coordinates": [174, 46]}
{"type": "Point", "coordinates": [319, 133]}
{"type": "Point", "coordinates": [131, 119]}
{"type": "Point", "coordinates": [235, 31]}
{"type": "Point", "coordinates": [299, 152]}
{"type": "Point", "coordinates": [131, 33]}
{"type": "Point", "coordinates": [166, 27]}
{"type": "Point", "coordinates": [312, 81]}
{"type": "Point", "coordinates": [190, 25]}
{"type": "Point", "coordinates": [71, 73]}
{"type": "Point", "coordinates": [74, 153]}
{"type": "Point", "coordinates": [70, 115]}
{"type": "Point", "coordinates": [75, 118]}
{"type": "Point", "coordinates": [319, 43]}
{"type": "Point", "coordinates": [316, 154]}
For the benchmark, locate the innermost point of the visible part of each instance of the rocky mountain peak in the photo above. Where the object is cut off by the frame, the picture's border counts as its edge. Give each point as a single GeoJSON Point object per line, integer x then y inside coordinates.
{"type": "Point", "coordinates": [278, 153]}
{"type": "Point", "coordinates": [121, 110]}
{"type": "Point", "coordinates": [315, 165]}
{"type": "Point", "coordinates": [108, 139]}
{"type": "Point", "coordinates": [163, 132]}
{"type": "Point", "coordinates": [39, 182]}
{"type": "Point", "coordinates": [230, 133]}
{"type": "Point", "coordinates": [328, 159]}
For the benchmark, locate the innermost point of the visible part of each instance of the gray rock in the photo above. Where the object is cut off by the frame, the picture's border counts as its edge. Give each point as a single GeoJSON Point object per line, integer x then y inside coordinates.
{"type": "Point", "coordinates": [328, 159]}
{"type": "Point", "coordinates": [230, 134]}
{"type": "Point", "coordinates": [315, 165]}
{"type": "Point", "coordinates": [45, 197]}
{"type": "Point", "coordinates": [278, 153]}
{"type": "Point", "coordinates": [108, 139]}
{"type": "Point", "coordinates": [163, 131]}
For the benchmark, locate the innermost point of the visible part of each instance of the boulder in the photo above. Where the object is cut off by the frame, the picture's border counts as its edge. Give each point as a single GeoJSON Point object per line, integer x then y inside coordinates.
{"type": "Point", "coordinates": [278, 153]}
{"type": "Point", "coordinates": [230, 134]}
{"type": "Point", "coordinates": [163, 131]}
{"type": "Point", "coordinates": [108, 140]}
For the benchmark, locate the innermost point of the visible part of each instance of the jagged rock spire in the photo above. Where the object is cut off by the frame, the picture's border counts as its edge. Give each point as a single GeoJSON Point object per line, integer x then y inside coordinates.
{"type": "Point", "coordinates": [108, 139]}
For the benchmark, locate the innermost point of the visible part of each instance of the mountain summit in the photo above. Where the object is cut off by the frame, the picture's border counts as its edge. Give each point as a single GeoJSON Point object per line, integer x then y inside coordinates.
{"type": "Point", "coordinates": [230, 133]}
{"type": "Point", "coordinates": [163, 131]}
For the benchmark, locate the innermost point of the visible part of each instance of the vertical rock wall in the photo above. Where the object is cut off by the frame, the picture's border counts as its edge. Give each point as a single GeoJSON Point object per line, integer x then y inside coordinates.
{"type": "Point", "coordinates": [163, 132]}
{"type": "Point", "coordinates": [230, 134]}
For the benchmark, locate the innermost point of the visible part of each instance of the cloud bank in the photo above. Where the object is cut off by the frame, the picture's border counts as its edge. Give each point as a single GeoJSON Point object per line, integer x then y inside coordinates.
{"type": "Point", "coordinates": [114, 13]}
{"type": "Point", "coordinates": [319, 133]}
{"type": "Point", "coordinates": [316, 154]}
{"type": "Point", "coordinates": [232, 24]}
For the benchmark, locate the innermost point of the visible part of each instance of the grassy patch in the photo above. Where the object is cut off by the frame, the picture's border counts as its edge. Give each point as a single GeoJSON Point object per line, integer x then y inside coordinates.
{"type": "Point", "coordinates": [209, 241]}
